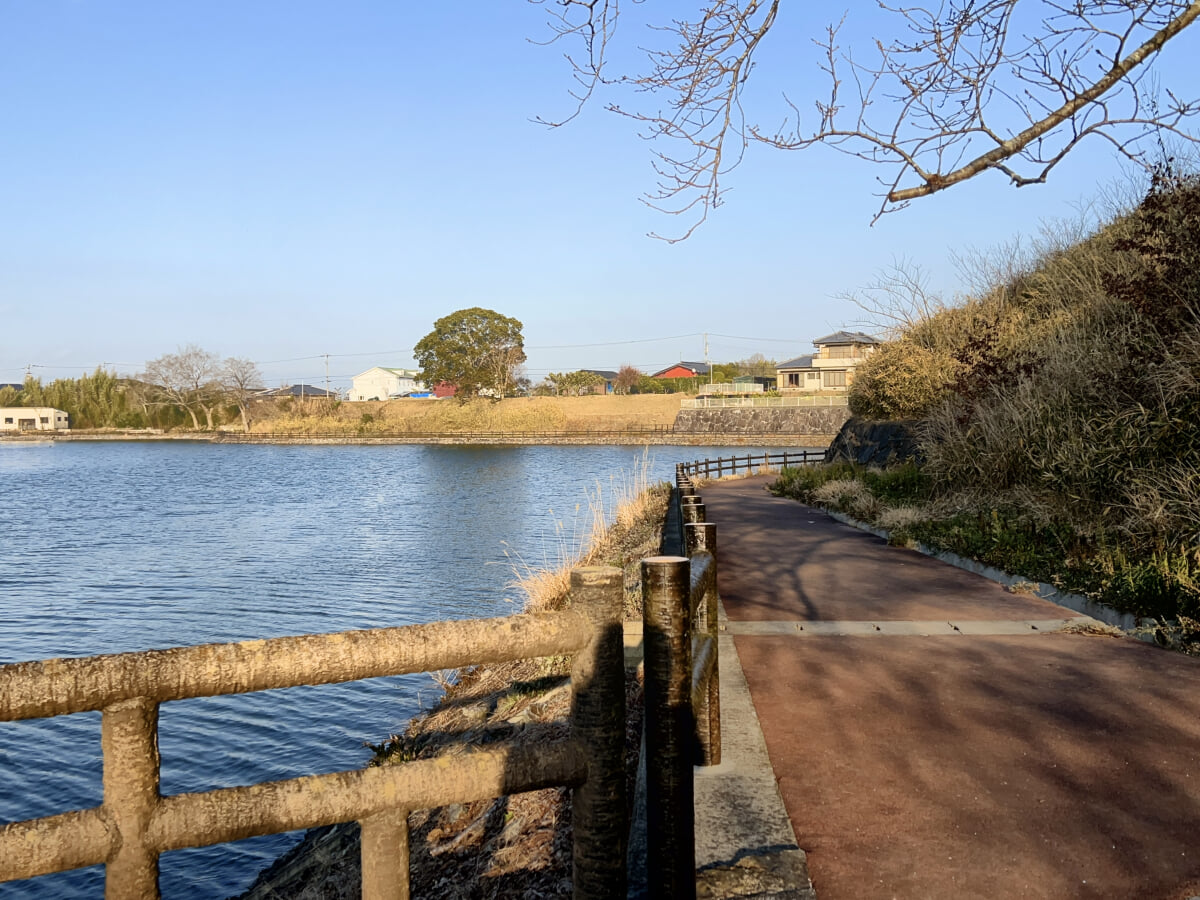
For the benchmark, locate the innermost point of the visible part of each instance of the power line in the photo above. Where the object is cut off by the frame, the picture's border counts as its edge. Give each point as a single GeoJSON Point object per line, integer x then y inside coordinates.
{"type": "Point", "coordinates": [326, 357]}
{"type": "Point", "coordinates": [734, 337]}
{"type": "Point", "coordinates": [614, 343]}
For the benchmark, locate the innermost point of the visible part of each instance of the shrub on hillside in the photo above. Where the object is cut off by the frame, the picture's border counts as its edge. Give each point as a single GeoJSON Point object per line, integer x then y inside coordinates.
{"type": "Point", "coordinates": [901, 380]}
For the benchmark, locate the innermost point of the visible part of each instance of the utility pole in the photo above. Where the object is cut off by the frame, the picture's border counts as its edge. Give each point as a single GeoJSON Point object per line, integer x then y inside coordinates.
{"type": "Point", "coordinates": [326, 375]}
{"type": "Point", "coordinates": [707, 362]}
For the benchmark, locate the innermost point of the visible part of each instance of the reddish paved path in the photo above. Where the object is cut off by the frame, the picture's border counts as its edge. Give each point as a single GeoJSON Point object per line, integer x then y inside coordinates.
{"type": "Point", "coordinates": [1033, 765]}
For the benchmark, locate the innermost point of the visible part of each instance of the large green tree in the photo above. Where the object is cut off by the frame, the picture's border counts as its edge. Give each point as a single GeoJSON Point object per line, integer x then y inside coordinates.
{"type": "Point", "coordinates": [477, 350]}
{"type": "Point", "coordinates": [574, 383]}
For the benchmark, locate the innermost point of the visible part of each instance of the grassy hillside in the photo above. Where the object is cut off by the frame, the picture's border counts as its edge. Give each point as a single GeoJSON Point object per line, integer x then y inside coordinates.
{"type": "Point", "coordinates": [524, 414]}
{"type": "Point", "coordinates": [1060, 409]}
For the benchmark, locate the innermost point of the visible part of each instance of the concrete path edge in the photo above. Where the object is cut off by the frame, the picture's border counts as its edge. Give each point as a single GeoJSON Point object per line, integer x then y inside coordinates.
{"type": "Point", "coordinates": [1142, 629]}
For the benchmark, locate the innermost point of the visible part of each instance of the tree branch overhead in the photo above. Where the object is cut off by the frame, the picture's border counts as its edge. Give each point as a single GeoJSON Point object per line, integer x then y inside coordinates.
{"type": "Point", "coordinates": [953, 90]}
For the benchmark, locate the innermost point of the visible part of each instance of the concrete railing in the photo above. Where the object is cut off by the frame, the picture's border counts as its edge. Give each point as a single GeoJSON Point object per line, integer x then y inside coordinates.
{"type": "Point", "coordinates": [135, 823]}
{"type": "Point", "coordinates": [751, 462]}
{"type": "Point", "coordinates": [682, 692]}
{"type": "Point", "coordinates": [759, 402]}
{"type": "Point", "coordinates": [729, 387]}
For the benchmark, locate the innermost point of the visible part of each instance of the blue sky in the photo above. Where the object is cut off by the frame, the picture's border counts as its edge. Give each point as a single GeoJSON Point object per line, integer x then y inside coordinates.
{"type": "Point", "coordinates": [283, 180]}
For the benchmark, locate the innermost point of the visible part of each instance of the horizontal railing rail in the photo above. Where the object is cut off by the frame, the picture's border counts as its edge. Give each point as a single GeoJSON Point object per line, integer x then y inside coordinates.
{"type": "Point", "coordinates": [135, 824]}
{"type": "Point", "coordinates": [784, 402]}
{"type": "Point", "coordinates": [751, 462]}
{"type": "Point", "coordinates": [729, 387]}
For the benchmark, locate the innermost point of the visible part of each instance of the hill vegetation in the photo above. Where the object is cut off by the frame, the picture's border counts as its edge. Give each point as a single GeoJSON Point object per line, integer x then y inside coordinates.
{"type": "Point", "coordinates": [516, 414]}
{"type": "Point", "coordinates": [1058, 411]}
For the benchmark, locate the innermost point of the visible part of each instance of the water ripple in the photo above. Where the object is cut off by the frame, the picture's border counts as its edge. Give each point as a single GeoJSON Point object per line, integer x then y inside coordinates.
{"type": "Point", "coordinates": [118, 547]}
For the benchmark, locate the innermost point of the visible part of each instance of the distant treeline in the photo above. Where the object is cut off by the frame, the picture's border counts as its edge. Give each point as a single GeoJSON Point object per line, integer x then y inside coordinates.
{"type": "Point", "coordinates": [189, 388]}
{"type": "Point", "coordinates": [99, 400]}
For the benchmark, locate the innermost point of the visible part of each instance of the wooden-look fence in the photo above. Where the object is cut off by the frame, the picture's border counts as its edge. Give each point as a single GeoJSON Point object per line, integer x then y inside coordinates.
{"type": "Point", "coordinates": [732, 465]}
{"type": "Point", "coordinates": [135, 824]}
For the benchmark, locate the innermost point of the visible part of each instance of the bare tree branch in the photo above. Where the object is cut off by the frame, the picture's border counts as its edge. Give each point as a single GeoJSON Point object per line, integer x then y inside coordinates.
{"type": "Point", "coordinates": [184, 379]}
{"type": "Point", "coordinates": [962, 87]}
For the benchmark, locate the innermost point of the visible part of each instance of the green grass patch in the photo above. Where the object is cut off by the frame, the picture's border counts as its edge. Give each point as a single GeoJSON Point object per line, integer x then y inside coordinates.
{"type": "Point", "coordinates": [1163, 584]}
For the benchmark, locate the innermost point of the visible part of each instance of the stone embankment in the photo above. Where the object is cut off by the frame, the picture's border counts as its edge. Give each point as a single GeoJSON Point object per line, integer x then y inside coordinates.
{"type": "Point", "coordinates": [869, 442]}
{"type": "Point", "coordinates": [815, 424]}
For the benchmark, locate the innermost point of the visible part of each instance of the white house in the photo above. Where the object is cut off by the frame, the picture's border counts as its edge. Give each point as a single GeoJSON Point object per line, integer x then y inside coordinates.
{"type": "Point", "coordinates": [33, 418]}
{"type": "Point", "coordinates": [831, 367]}
{"type": "Point", "coordinates": [382, 383]}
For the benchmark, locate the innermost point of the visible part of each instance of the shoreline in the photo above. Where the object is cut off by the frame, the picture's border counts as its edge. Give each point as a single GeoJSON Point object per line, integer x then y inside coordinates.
{"type": "Point", "coordinates": [582, 438]}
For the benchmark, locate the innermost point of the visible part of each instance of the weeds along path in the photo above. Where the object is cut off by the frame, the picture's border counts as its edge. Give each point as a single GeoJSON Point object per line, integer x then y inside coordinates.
{"type": "Point", "coordinates": [936, 736]}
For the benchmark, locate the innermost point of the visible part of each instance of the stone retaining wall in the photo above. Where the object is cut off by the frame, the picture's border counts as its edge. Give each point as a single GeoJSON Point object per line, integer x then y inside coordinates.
{"type": "Point", "coordinates": [869, 442]}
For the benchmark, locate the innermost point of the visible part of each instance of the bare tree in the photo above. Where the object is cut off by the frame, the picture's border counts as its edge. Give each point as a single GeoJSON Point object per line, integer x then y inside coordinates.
{"type": "Point", "coordinates": [756, 365]}
{"type": "Point", "coordinates": [627, 379]}
{"type": "Point", "coordinates": [963, 87]}
{"type": "Point", "coordinates": [185, 379]}
{"type": "Point", "coordinates": [239, 379]}
{"type": "Point", "coordinates": [896, 299]}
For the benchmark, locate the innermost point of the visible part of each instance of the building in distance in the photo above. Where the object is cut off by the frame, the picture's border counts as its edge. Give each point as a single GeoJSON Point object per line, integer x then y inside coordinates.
{"type": "Point", "coordinates": [33, 418]}
{"type": "Point", "coordinates": [384, 383]}
{"type": "Point", "coordinates": [831, 367]}
{"type": "Point", "coordinates": [684, 370]}
{"type": "Point", "coordinates": [299, 391]}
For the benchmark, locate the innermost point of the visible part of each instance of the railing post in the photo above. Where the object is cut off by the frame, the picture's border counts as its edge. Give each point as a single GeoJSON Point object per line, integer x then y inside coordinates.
{"type": "Point", "coordinates": [384, 849]}
{"type": "Point", "coordinates": [691, 509]}
{"type": "Point", "coordinates": [599, 816]}
{"type": "Point", "coordinates": [129, 742]}
{"type": "Point", "coordinates": [699, 537]}
{"type": "Point", "coordinates": [670, 792]}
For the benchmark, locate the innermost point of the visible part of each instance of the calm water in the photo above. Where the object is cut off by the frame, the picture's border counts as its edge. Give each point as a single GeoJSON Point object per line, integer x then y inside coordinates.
{"type": "Point", "coordinates": [117, 547]}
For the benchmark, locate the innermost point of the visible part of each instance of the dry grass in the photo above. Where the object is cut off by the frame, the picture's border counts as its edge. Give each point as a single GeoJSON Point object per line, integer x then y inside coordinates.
{"type": "Point", "coordinates": [850, 495]}
{"type": "Point", "coordinates": [1065, 393]}
{"type": "Point", "coordinates": [623, 502]}
{"type": "Point", "coordinates": [415, 416]}
{"type": "Point", "coordinates": [1092, 627]}
{"type": "Point", "coordinates": [902, 517]}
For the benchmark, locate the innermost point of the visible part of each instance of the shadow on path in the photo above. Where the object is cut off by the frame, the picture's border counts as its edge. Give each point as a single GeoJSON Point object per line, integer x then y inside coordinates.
{"type": "Point", "coordinates": [1047, 765]}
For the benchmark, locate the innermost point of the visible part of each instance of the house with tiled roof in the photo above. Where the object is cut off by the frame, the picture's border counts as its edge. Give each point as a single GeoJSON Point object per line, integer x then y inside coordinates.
{"type": "Point", "coordinates": [610, 379]}
{"type": "Point", "coordinates": [298, 391]}
{"type": "Point", "coordinates": [683, 370]}
{"type": "Point", "coordinates": [830, 367]}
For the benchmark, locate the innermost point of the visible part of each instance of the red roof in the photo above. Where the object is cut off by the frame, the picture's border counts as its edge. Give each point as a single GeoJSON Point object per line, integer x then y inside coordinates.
{"type": "Point", "coordinates": [682, 370]}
